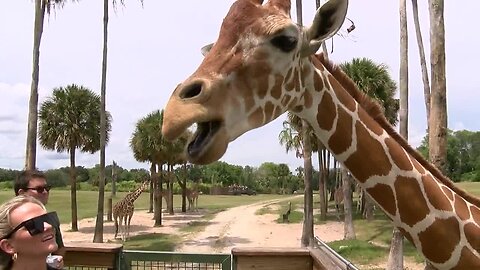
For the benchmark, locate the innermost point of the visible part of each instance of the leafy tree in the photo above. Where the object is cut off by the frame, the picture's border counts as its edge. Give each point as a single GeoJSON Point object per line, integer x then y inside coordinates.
{"type": "Point", "coordinates": [70, 120]}
{"type": "Point", "coordinates": [147, 146]}
{"type": "Point", "coordinates": [375, 80]}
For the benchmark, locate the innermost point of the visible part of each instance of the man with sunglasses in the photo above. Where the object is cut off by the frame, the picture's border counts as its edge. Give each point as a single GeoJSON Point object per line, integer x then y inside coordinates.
{"type": "Point", "coordinates": [34, 183]}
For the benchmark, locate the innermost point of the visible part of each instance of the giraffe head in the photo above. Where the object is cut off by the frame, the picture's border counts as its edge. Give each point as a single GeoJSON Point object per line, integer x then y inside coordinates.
{"type": "Point", "coordinates": [247, 77]}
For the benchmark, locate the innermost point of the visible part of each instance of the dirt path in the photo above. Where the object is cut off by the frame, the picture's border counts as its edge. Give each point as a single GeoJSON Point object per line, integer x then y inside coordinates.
{"type": "Point", "coordinates": [240, 227]}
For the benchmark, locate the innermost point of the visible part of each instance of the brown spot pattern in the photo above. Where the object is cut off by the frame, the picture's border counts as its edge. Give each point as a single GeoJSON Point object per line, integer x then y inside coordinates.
{"type": "Point", "coordinates": [249, 103]}
{"type": "Point", "coordinates": [256, 118]}
{"type": "Point", "coordinates": [384, 196]}
{"type": "Point", "coordinates": [399, 156]}
{"type": "Point", "coordinates": [467, 261]}
{"type": "Point", "coordinates": [411, 202]}
{"type": "Point", "coordinates": [445, 230]}
{"type": "Point", "coordinates": [292, 83]}
{"type": "Point", "coordinates": [407, 235]}
{"type": "Point", "coordinates": [308, 100]}
{"type": "Point", "coordinates": [341, 139]}
{"type": "Point", "coordinates": [461, 208]}
{"type": "Point", "coordinates": [326, 112]}
{"type": "Point", "coordinates": [288, 77]}
{"type": "Point", "coordinates": [285, 101]}
{"type": "Point", "coordinates": [269, 107]}
{"type": "Point", "coordinates": [306, 69]}
{"type": "Point", "coordinates": [369, 159]}
{"type": "Point", "coordinates": [472, 232]}
{"type": "Point", "coordinates": [276, 91]}
{"type": "Point", "coordinates": [435, 195]}
{"type": "Point", "coordinates": [370, 122]}
{"type": "Point", "coordinates": [475, 214]}
{"type": "Point", "coordinates": [342, 95]}
{"type": "Point", "coordinates": [317, 82]}
{"type": "Point", "coordinates": [418, 167]}
{"type": "Point", "coordinates": [448, 192]}
{"type": "Point", "coordinates": [278, 111]}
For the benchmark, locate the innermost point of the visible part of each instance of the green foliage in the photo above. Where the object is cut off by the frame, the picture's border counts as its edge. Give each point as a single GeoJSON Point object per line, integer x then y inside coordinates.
{"type": "Point", "coordinates": [152, 242]}
{"type": "Point", "coordinates": [358, 251]}
{"type": "Point", "coordinates": [70, 119]}
{"type": "Point", "coordinates": [375, 80]}
{"type": "Point", "coordinates": [57, 178]}
{"type": "Point", "coordinates": [463, 155]}
{"type": "Point", "coordinates": [8, 175]}
{"type": "Point", "coordinates": [6, 185]}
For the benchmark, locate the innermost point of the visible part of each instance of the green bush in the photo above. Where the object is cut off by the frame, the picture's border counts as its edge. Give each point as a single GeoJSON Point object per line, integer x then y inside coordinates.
{"type": "Point", "coordinates": [8, 185]}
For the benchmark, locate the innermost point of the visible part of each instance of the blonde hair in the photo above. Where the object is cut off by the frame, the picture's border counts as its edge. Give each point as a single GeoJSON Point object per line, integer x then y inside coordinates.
{"type": "Point", "coordinates": [5, 226]}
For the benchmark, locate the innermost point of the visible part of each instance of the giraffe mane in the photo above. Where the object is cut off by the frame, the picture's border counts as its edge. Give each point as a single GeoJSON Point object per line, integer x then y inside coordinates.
{"type": "Point", "coordinates": [375, 111]}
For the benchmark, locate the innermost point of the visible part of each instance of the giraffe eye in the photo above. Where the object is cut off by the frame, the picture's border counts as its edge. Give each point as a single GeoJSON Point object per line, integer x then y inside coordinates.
{"type": "Point", "coordinates": [284, 43]}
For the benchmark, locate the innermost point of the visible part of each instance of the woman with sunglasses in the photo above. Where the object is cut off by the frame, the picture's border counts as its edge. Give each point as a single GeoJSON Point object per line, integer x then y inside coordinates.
{"type": "Point", "coordinates": [27, 234]}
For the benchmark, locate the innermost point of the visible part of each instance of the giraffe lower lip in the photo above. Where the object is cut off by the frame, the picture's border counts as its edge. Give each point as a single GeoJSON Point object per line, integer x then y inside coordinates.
{"type": "Point", "coordinates": [202, 137]}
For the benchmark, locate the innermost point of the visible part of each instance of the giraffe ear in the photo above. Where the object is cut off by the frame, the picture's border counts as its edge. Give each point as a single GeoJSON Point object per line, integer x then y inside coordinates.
{"type": "Point", "coordinates": [205, 49]}
{"type": "Point", "coordinates": [328, 20]}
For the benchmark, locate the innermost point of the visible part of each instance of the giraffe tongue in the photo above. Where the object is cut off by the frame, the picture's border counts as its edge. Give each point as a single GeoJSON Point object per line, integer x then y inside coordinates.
{"type": "Point", "coordinates": [205, 132]}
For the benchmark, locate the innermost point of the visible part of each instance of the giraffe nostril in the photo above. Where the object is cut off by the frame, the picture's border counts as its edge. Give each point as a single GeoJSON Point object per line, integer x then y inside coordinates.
{"type": "Point", "coordinates": [191, 90]}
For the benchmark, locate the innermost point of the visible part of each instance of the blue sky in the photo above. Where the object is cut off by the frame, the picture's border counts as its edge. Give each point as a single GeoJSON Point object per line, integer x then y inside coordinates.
{"type": "Point", "coordinates": [154, 47]}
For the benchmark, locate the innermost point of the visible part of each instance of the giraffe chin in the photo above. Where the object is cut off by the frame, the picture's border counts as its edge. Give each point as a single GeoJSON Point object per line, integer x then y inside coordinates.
{"type": "Point", "coordinates": [208, 144]}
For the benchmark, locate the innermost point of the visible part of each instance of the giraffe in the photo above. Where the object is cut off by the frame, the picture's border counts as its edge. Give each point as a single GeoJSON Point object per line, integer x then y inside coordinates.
{"type": "Point", "coordinates": [123, 210]}
{"type": "Point", "coordinates": [264, 64]}
{"type": "Point", "coordinates": [192, 197]}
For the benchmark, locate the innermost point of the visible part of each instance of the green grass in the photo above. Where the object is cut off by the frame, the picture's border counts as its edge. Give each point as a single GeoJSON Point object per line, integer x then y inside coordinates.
{"type": "Point", "coordinates": [87, 202]}
{"type": "Point", "coordinates": [152, 242]}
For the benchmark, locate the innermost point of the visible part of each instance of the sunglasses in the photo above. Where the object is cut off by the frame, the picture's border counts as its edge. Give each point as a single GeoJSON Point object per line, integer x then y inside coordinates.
{"type": "Point", "coordinates": [40, 189]}
{"type": "Point", "coordinates": [36, 225]}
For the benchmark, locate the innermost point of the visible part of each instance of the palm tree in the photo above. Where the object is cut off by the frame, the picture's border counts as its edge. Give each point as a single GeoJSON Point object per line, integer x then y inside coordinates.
{"type": "Point", "coordinates": [437, 124]}
{"type": "Point", "coordinates": [41, 6]}
{"type": "Point", "coordinates": [70, 120]}
{"type": "Point", "coordinates": [147, 146]}
{"type": "Point", "coordinates": [395, 257]}
{"type": "Point", "coordinates": [423, 62]}
{"type": "Point", "coordinates": [98, 235]}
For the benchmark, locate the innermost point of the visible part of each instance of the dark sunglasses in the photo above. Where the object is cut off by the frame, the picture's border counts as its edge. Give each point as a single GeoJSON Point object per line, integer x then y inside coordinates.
{"type": "Point", "coordinates": [36, 225]}
{"type": "Point", "coordinates": [40, 189]}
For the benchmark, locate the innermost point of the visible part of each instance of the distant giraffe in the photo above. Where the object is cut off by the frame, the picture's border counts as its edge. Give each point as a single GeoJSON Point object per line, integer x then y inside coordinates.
{"type": "Point", "coordinates": [123, 210]}
{"type": "Point", "coordinates": [192, 196]}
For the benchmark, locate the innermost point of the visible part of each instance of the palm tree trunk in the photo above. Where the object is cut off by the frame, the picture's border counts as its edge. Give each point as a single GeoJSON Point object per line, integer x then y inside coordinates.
{"type": "Point", "coordinates": [152, 188]}
{"type": "Point", "coordinates": [73, 190]}
{"type": "Point", "coordinates": [184, 188]}
{"type": "Point", "coordinates": [395, 257]}
{"type": "Point", "coordinates": [31, 147]}
{"type": "Point", "coordinates": [349, 229]}
{"type": "Point", "coordinates": [98, 236]}
{"type": "Point", "coordinates": [157, 177]}
{"type": "Point", "coordinates": [322, 180]}
{"type": "Point", "coordinates": [307, 232]}
{"type": "Point", "coordinates": [170, 190]}
{"type": "Point", "coordinates": [437, 124]}
{"type": "Point", "coordinates": [423, 62]}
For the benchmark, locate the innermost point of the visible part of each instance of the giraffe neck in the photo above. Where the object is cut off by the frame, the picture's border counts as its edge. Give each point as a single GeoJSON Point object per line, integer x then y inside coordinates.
{"type": "Point", "coordinates": [135, 194]}
{"type": "Point", "coordinates": [419, 204]}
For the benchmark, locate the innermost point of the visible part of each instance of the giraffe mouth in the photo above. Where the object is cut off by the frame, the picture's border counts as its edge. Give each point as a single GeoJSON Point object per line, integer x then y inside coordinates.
{"type": "Point", "coordinates": [202, 138]}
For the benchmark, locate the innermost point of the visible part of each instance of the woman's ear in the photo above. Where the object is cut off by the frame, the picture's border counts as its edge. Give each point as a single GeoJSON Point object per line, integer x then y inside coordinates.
{"type": "Point", "coordinates": [7, 247]}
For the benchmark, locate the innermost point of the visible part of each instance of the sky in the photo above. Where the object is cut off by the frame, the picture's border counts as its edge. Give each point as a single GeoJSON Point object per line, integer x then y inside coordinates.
{"type": "Point", "coordinates": [153, 48]}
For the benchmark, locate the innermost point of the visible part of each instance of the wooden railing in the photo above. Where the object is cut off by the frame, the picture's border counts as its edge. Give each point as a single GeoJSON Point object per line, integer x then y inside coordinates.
{"type": "Point", "coordinates": [112, 256]}
{"type": "Point", "coordinates": [99, 255]}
